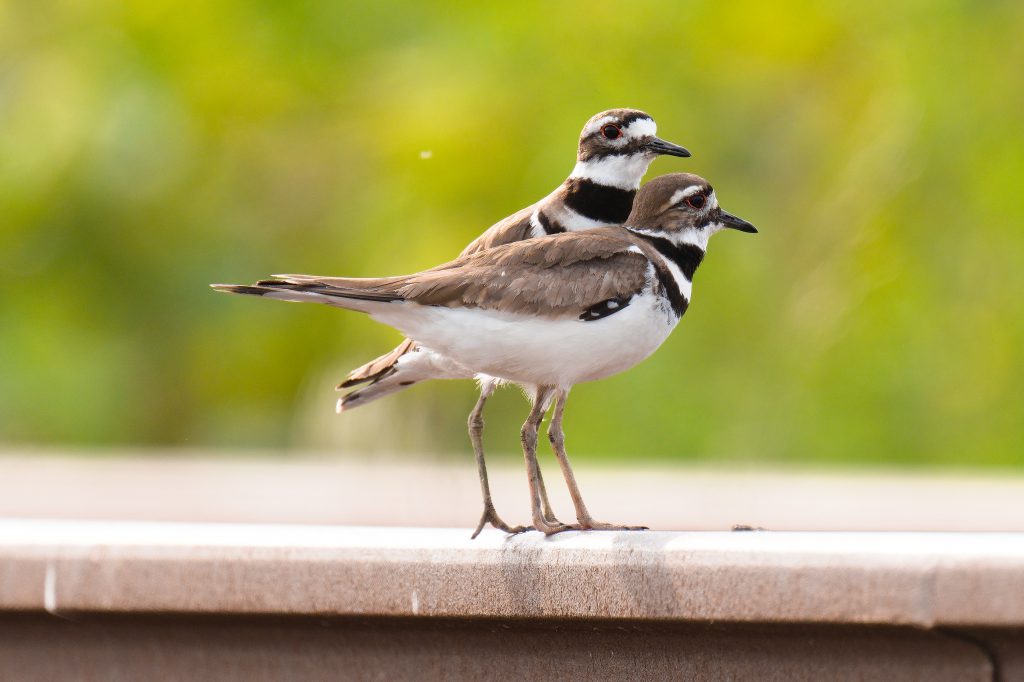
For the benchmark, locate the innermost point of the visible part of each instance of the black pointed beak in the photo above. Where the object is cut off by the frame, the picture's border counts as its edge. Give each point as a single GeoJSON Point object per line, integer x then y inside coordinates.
{"type": "Point", "coordinates": [660, 146]}
{"type": "Point", "coordinates": [736, 223]}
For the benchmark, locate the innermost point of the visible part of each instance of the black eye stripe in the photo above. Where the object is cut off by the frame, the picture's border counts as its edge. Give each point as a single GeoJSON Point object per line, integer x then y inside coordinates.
{"type": "Point", "coordinates": [595, 146]}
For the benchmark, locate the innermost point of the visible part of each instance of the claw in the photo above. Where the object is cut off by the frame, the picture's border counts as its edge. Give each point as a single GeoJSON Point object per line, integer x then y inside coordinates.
{"type": "Point", "coordinates": [591, 524]}
{"type": "Point", "coordinates": [490, 516]}
{"type": "Point", "coordinates": [551, 528]}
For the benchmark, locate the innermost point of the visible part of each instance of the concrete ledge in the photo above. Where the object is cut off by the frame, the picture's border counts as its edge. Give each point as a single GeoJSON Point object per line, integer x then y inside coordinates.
{"type": "Point", "coordinates": [924, 580]}
{"type": "Point", "coordinates": [142, 600]}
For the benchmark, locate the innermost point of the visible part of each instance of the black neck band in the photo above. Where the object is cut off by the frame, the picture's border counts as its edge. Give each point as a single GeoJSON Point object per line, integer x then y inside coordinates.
{"type": "Point", "coordinates": [606, 204]}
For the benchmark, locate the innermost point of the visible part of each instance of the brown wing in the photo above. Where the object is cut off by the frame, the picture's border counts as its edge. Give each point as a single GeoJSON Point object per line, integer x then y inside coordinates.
{"type": "Point", "coordinates": [556, 276]}
{"type": "Point", "coordinates": [559, 275]}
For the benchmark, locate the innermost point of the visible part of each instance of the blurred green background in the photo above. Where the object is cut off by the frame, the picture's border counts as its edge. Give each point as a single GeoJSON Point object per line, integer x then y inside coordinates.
{"type": "Point", "coordinates": [148, 148]}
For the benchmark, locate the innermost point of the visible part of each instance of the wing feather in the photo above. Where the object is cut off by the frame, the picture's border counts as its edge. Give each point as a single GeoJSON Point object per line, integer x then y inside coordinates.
{"type": "Point", "coordinates": [560, 275]}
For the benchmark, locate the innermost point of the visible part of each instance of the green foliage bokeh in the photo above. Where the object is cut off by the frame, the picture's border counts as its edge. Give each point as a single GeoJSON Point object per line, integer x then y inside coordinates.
{"type": "Point", "coordinates": [148, 148]}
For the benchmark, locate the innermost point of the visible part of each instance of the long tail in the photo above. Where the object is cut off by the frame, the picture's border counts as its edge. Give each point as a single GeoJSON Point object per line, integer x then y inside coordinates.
{"type": "Point", "coordinates": [401, 368]}
{"type": "Point", "coordinates": [352, 294]}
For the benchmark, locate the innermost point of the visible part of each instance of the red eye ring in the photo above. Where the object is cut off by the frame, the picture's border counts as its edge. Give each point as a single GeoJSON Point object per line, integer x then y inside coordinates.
{"type": "Point", "coordinates": [696, 201]}
{"type": "Point", "coordinates": [611, 131]}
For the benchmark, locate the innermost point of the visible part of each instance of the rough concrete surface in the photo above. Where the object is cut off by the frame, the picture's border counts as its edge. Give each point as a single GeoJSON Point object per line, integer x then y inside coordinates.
{"type": "Point", "coordinates": [919, 579]}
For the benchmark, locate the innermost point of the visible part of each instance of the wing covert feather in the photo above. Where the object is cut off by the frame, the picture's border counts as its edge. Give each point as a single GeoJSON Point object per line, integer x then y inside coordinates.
{"type": "Point", "coordinates": [554, 276]}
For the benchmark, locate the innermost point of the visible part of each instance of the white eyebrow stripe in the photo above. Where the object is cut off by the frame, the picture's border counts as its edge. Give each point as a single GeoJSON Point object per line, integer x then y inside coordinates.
{"type": "Point", "coordinates": [596, 125]}
{"type": "Point", "coordinates": [683, 193]}
{"type": "Point", "coordinates": [641, 127]}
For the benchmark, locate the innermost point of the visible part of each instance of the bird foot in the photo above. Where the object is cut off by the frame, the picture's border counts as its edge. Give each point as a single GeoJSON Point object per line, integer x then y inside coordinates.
{"type": "Point", "coordinates": [491, 516]}
{"type": "Point", "coordinates": [552, 520]}
{"type": "Point", "coordinates": [551, 527]}
{"type": "Point", "coordinates": [591, 524]}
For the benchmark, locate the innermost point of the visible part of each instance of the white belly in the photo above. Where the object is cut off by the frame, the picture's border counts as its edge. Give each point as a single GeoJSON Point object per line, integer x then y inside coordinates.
{"type": "Point", "coordinates": [534, 350]}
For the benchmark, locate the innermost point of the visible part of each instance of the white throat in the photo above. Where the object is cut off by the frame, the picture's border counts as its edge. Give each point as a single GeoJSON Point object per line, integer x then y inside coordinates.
{"type": "Point", "coordinates": [624, 172]}
{"type": "Point", "coordinates": [698, 238]}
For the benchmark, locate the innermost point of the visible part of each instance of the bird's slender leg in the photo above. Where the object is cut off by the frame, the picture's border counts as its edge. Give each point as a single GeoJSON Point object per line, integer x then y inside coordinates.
{"type": "Point", "coordinates": [528, 435]}
{"type": "Point", "coordinates": [549, 514]}
{"type": "Point", "coordinates": [476, 435]}
{"type": "Point", "coordinates": [557, 438]}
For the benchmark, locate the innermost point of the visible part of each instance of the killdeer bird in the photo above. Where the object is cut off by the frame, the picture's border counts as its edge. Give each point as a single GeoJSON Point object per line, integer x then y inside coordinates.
{"type": "Point", "coordinates": [615, 149]}
{"type": "Point", "coordinates": [547, 312]}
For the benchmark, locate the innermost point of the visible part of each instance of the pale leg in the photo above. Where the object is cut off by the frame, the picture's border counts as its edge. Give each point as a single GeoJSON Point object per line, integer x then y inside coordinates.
{"type": "Point", "coordinates": [528, 436]}
{"type": "Point", "coordinates": [476, 435]}
{"type": "Point", "coordinates": [557, 438]}
{"type": "Point", "coordinates": [549, 515]}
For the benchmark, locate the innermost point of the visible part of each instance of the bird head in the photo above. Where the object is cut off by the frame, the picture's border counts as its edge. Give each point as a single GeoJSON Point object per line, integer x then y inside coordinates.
{"type": "Point", "coordinates": [683, 208]}
{"type": "Point", "coordinates": [617, 146]}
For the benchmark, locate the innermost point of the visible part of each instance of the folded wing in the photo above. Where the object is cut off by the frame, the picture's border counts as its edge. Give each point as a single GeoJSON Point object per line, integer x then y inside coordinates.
{"type": "Point", "coordinates": [558, 276]}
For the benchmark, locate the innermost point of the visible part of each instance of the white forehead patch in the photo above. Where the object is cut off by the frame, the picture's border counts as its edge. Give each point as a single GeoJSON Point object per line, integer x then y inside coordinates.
{"type": "Point", "coordinates": [641, 127]}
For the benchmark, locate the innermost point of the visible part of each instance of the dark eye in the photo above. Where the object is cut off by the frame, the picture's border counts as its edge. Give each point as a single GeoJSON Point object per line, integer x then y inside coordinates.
{"type": "Point", "coordinates": [611, 132]}
{"type": "Point", "coordinates": [696, 201]}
